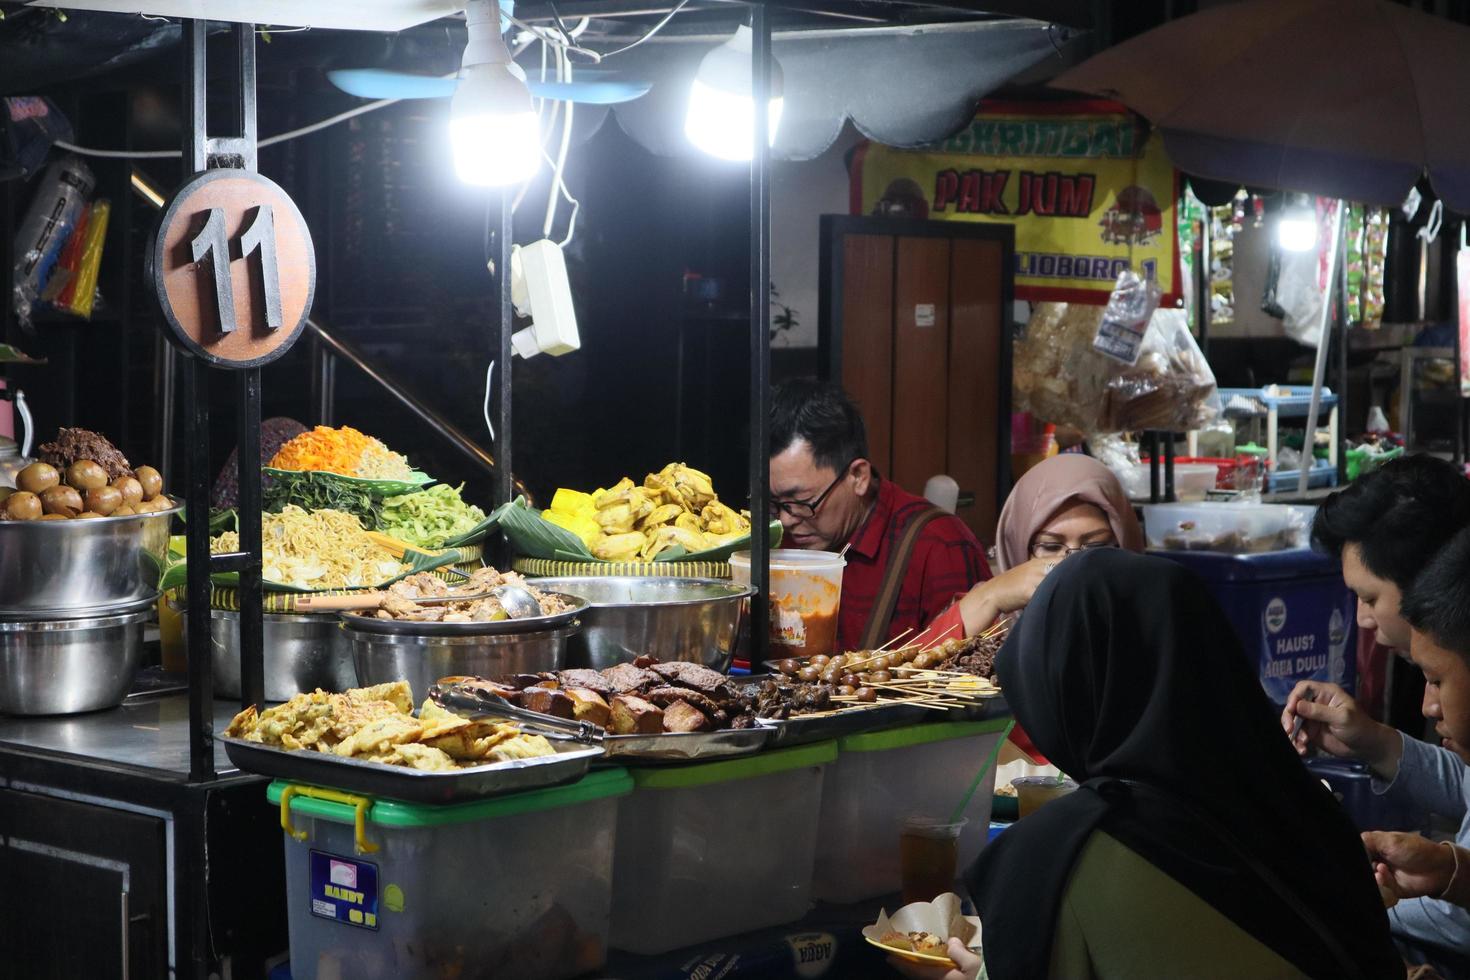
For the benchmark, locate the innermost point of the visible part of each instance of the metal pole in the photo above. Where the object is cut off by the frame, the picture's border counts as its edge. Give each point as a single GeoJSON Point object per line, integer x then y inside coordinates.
{"type": "Point", "coordinates": [760, 332]}
{"type": "Point", "coordinates": [247, 468]}
{"type": "Point", "coordinates": [1341, 284]}
{"type": "Point", "coordinates": [501, 351]}
{"type": "Point", "coordinates": [196, 459]}
{"type": "Point", "coordinates": [1204, 302]}
{"type": "Point", "coordinates": [1319, 370]}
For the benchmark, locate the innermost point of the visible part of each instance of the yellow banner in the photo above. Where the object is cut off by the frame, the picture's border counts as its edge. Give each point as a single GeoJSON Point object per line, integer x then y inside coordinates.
{"type": "Point", "coordinates": [1088, 194]}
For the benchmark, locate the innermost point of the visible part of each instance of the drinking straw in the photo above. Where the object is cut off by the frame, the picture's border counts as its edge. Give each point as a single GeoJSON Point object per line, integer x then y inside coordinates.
{"type": "Point", "coordinates": [975, 784]}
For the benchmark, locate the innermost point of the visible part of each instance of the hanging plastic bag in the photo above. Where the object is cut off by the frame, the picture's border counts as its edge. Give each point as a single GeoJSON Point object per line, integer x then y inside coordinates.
{"type": "Point", "coordinates": [1125, 318]}
{"type": "Point", "coordinates": [1059, 376]}
{"type": "Point", "coordinates": [1170, 388]}
{"type": "Point", "coordinates": [60, 195]}
{"type": "Point", "coordinates": [65, 269]}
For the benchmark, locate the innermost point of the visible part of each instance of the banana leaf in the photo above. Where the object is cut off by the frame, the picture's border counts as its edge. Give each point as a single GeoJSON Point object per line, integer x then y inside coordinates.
{"type": "Point", "coordinates": [535, 537]}
{"type": "Point", "coordinates": [176, 574]}
{"type": "Point", "coordinates": [378, 488]}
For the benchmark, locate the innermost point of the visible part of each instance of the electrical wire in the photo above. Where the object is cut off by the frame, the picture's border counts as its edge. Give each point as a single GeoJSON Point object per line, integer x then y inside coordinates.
{"type": "Point", "coordinates": [651, 31]}
{"type": "Point", "coordinates": [486, 407]}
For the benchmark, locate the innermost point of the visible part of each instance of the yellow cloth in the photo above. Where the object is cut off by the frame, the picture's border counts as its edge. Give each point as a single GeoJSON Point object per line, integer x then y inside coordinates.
{"type": "Point", "coordinates": [1123, 918]}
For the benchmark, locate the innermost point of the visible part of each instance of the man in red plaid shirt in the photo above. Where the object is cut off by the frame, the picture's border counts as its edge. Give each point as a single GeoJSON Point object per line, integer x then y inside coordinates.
{"type": "Point", "coordinates": [828, 496]}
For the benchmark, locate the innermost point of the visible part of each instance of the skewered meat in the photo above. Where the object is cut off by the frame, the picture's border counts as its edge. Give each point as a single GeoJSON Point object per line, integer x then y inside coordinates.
{"type": "Point", "coordinates": [681, 716]}
{"type": "Point", "coordinates": [582, 677]}
{"type": "Point", "coordinates": [632, 715]}
{"type": "Point", "coordinates": [625, 678]}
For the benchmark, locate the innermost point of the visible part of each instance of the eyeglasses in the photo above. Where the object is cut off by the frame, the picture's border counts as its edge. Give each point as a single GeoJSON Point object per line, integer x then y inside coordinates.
{"type": "Point", "coordinates": [805, 510]}
{"type": "Point", "coordinates": [1049, 550]}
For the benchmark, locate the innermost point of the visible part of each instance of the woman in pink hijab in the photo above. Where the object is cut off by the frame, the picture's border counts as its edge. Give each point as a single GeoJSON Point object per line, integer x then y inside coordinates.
{"type": "Point", "coordinates": [1065, 504]}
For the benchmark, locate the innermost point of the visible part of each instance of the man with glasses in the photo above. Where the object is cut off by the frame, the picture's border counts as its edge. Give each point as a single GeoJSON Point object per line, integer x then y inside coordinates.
{"type": "Point", "coordinates": [906, 559]}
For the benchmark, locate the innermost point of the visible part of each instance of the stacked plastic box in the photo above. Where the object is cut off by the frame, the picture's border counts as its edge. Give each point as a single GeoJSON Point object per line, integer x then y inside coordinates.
{"type": "Point", "coordinates": [518, 886]}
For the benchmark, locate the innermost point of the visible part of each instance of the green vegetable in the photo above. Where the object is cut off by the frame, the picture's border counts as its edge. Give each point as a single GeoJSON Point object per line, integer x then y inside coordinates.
{"type": "Point", "coordinates": [430, 518]}
{"type": "Point", "coordinates": [321, 491]}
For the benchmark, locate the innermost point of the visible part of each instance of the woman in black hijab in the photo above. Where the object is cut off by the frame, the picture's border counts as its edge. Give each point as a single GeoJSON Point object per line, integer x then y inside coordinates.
{"type": "Point", "coordinates": [1129, 677]}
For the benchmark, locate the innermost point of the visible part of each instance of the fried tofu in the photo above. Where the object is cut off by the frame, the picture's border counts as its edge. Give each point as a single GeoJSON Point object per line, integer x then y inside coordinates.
{"type": "Point", "coordinates": [589, 706]}
{"type": "Point", "coordinates": [681, 716]}
{"type": "Point", "coordinates": [631, 715]}
{"type": "Point", "coordinates": [547, 701]}
{"type": "Point", "coordinates": [398, 693]}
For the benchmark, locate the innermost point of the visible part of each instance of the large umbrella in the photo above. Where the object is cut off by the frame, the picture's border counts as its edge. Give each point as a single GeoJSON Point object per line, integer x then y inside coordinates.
{"type": "Point", "coordinates": [1348, 98]}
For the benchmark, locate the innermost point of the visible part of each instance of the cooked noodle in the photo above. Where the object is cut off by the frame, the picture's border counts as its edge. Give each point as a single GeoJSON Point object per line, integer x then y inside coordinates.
{"type": "Point", "coordinates": [323, 549]}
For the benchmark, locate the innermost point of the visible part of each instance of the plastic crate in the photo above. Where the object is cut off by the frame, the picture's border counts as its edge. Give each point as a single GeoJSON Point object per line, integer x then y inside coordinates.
{"type": "Point", "coordinates": [717, 848]}
{"type": "Point", "coordinates": [518, 886]}
{"type": "Point", "coordinates": [882, 778]}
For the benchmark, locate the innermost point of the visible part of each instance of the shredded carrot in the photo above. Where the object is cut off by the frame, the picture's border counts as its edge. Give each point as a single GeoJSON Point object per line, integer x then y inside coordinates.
{"type": "Point", "coordinates": [324, 448]}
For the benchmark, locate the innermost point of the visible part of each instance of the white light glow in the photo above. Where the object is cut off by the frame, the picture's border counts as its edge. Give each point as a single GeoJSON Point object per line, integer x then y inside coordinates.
{"type": "Point", "coordinates": [495, 149]}
{"type": "Point", "coordinates": [722, 123]}
{"type": "Point", "coordinates": [1296, 230]}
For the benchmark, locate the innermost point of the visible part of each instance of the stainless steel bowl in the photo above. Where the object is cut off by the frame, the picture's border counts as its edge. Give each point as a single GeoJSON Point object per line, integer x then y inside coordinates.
{"type": "Point", "coordinates": [66, 666]}
{"type": "Point", "coordinates": [302, 653]}
{"type": "Point", "coordinates": [690, 619]}
{"type": "Point", "coordinates": [71, 569]}
{"type": "Point", "coordinates": [381, 658]}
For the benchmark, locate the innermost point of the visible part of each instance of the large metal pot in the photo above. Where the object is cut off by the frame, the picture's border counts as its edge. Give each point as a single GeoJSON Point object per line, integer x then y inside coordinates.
{"type": "Point", "coordinates": [72, 569]}
{"type": "Point", "coordinates": [66, 666]}
{"type": "Point", "coordinates": [302, 653]}
{"type": "Point", "coordinates": [381, 658]}
{"type": "Point", "coordinates": [689, 619]}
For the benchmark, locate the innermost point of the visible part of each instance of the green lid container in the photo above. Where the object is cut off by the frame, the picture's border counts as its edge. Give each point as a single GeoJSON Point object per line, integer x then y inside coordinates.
{"type": "Point", "coordinates": [922, 734]}
{"type": "Point", "coordinates": [729, 770]}
{"type": "Point", "coordinates": [600, 785]}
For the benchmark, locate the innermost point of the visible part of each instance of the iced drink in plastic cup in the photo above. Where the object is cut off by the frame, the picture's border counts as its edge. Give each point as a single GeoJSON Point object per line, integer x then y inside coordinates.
{"type": "Point", "coordinates": [1033, 791]}
{"type": "Point", "coordinates": [928, 853]}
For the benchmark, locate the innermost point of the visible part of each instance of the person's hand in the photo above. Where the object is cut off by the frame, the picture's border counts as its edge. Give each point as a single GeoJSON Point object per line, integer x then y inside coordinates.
{"type": "Point", "coordinates": [1005, 593]}
{"type": "Point", "coordinates": [1409, 865]}
{"type": "Point", "coordinates": [1333, 722]}
{"type": "Point", "coordinates": [967, 965]}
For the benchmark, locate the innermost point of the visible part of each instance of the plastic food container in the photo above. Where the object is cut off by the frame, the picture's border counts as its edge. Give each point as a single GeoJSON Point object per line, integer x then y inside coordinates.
{"type": "Point", "coordinates": [883, 778]}
{"type": "Point", "coordinates": [1233, 529]}
{"type": "Point", "coordinates": [806, 591]}
{"type": "Point", "coordinates": [717, 848]}
{"type": "Point", "coordinates": [1192, 481]}
{"type": "Point", "coordinates": [517, 886]}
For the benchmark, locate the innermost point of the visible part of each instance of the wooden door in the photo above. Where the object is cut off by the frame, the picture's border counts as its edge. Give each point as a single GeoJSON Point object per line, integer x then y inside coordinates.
{"type": "Point", "coordinates": [914, 318]}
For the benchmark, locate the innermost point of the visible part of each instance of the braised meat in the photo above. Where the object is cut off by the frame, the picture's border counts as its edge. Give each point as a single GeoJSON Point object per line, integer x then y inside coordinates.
{"type": "Point", "coordinates": [781, 701]}
{"type": "Point", "coordinates": [695, 676]}
{"type": "Point", "coordinates": [589, 680]}
{"type": "Point", "coordinates": [664, 696]}
{"type": "Point", "coordinates": [547, 701]}
{"type": "Point", "coordinates": [71, 445]}
{"type": "Point", "coordinates": [625, 678]}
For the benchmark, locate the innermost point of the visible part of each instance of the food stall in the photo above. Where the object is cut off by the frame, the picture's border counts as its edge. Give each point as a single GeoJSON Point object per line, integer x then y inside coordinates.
{"type": "Point", "coordinates": [596, 735]}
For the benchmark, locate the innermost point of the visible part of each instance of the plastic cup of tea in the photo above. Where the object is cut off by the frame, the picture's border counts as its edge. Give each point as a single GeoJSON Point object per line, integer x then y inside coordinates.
{"type": "Point", "coordinates": [806, 594]}
{"type": "Point", "coordinates": [928, 856]}
{"type": "Point", "coordinates": [1034, 791]}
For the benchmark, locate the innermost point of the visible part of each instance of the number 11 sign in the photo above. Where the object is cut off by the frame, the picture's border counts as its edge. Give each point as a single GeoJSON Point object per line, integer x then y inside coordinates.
{"type": "Point", "coordinates": [233, 268]}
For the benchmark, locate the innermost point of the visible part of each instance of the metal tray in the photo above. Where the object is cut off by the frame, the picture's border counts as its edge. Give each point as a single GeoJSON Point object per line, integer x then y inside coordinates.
{"type": "Point", "coordinates": [801, 729]}
{"type": "Point", "coordinates": [407, 627]}
{"type": "Point", "coordinates": [412, 785]}
{"type": "Point", "coordinates": [685, 746]}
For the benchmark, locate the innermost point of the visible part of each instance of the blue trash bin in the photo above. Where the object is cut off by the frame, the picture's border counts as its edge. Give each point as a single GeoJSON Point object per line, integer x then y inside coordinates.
{"type": "Point", "coordinates": [1295, 618]}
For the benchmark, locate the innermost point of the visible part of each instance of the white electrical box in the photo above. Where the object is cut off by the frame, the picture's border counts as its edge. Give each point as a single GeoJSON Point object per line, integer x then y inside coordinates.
{"type": "Point", "coordinates": [540, 290]}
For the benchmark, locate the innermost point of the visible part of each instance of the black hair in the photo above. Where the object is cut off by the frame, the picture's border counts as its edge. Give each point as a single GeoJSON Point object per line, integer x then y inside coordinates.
{"type": "Point", "coordinates": [1398, 516]}
{"type": "Point", "coordinates": [1438, 603]}
{"type": "Point", "coordinates": [821, 415]}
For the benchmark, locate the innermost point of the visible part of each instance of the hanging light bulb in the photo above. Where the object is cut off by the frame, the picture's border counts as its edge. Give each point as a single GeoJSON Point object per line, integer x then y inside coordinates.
{"type": "Point", "coordinates": [1296, 229]}
{"type": "Point", "coordinates": [721, 117]}
{"type": "Point", "coordinates": [492, 123]}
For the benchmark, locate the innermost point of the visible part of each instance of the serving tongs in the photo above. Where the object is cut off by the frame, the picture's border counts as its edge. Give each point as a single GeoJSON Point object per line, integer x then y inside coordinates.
{"type": "Point", "coordinates": [372, 600]}
{"type": "Point", "coordinates": [477, 704]}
